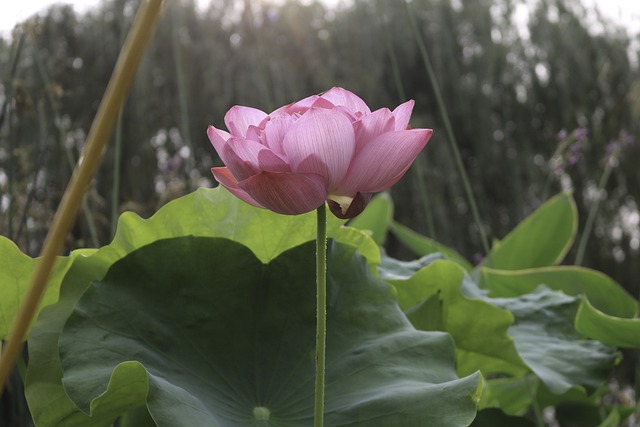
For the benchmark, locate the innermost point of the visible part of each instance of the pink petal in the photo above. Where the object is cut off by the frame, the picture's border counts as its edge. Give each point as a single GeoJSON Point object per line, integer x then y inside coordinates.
{"type": "Point", "coordinates": [402, 113]}
{"type": "Point", "coordinates": [246, 158]}
{"type": "Point", "coordinates": [340, 96]}
{"type": "Point", "coordinates": [321, 142]}
{"type": "Point", "coordinates": [217, 134]}
{"type": "Point", "coordinates": [274, 132]}
{"type": "Point", "coordinates": [287, 193]}
{"type": "Point", "coordinates": [254, 133]}
{"type": "Point", "coordinates": [238, 119]}
{"type": "Point", "coordinates": [321, 102]}
{"type": "Point", "coordinates": [219, 140]}
{"type": "Point", "coordinates": [372, 125]}
{"type": "Point", "coordinates": [383, 161]}
{"type": "Point", "coordinates": [298, 107]}
{"type": "Point", "coordinates": [228, 181]}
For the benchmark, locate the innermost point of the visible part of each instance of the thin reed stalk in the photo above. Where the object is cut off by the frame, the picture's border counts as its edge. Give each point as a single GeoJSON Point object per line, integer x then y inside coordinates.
{"type": "Point", "coordinates": [417, 168]}
{"type": "Point", "coordinates": [263, 75]}
{"type": "Point", "coordinates": [117, 170]}
{"type": "Point", "coordinates": [183, 89]}
{"type": "Point", "coordinates": [453, 143]}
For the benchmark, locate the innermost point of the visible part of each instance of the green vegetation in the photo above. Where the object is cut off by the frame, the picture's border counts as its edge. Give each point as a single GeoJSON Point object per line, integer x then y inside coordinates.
{"type": "Point", "coordinates": [536, 109]}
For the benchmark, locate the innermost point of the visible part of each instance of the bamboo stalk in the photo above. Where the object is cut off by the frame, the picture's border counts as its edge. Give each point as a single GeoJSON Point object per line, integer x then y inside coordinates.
{"type": "Point", "coordinates": [99, 133]}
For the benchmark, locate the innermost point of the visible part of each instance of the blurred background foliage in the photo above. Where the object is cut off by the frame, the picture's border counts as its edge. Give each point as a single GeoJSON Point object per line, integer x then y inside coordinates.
{"type": "Point", "coordinates": [544, 96]}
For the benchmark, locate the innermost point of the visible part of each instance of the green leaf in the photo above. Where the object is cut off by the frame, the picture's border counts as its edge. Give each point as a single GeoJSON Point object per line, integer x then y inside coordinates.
{"type": "Point", "coordinates": [422, 245]}
{"type": "Point", "coordinates": [216, 212]}
{"type": "Point", "coordinates": [48, 402]}
{"type": "Point", "coordinates": [478, 328]}
{"type": "Point", "coordinates": [362, 241]}
{"type": "Point", "coordinates": [394, 269]}
{"type": "Point", "coordinates": [602, 291]}
{"type": "Point", "coordinates": [549, 344]}
{"type": "Point", "coordinates": [206, 212]}
{"type": "Point", "coordinates": [376, 217]}
{"type": "Point", "coordinates": [16, 270]}
{"type": "Point", "coordinates": [225, 340]}
{"type": "Point", "coordinates": [611, 330]}
{"type": "Point", "coordinates": [542, 239]}
{"type": "Point", "coordinates": [513, 396]}
{"type": "Point", "coordinates": [612, 420]}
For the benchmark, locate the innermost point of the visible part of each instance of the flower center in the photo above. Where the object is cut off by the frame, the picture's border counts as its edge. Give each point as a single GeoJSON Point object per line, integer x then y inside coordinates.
{"type": "Point", "coordinates": [343, 201]}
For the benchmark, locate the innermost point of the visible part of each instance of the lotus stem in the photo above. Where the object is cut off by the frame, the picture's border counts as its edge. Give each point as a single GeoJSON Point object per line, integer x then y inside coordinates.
{"type": "Point", "coordinates": [64, 218]}
{"type": "Point", "coordinates": [321, 314]}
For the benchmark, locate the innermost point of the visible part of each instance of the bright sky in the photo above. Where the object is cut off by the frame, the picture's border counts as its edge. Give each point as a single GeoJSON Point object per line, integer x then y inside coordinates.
{"type": "Point", "coordinates": [626, 12]}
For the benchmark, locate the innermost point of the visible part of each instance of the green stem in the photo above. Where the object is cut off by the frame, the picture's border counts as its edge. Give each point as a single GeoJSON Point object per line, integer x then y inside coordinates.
{"type": "Point", "coordinates": [321, 314]}
{"type": "Point", "coordinates": [117, 166]}
{"type": "Point", "coordinates": [417, 167]}
{"type": "Point", "coordinates": [117, 150]}
{"type": "Point", "coordinates": [183, 90]}
{"type": "Point", "coordinates": [450, 135]}
{"type": "Point", "coordinates": [593, 210]}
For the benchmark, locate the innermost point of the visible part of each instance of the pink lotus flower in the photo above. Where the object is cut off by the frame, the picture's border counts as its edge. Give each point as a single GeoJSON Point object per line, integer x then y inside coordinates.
{"type": "Point", "coordinates": [327, 147]}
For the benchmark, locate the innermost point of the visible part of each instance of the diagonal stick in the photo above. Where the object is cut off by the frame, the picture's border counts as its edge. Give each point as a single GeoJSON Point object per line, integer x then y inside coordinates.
{"type": "Point", "coordinates": [118, 88]}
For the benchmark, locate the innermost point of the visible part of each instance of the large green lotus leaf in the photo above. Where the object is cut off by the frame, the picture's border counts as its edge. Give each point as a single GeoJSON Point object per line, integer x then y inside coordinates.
{"type": "Point", "coordinates": [611, 330]}
{"type": "Point", "coordinates": [422, 245]}
{"type": "Point", "coordinates": [547, 341]}
{"type": "Point", "coordinates": [541, 240]}
{"type": "Point", "coordinates": [478, 328]}
{"type": "Point", "coordinates": [376, 217]}
{"type": "Point", "coordinates": [16, 270]}
{"type": "Point", "coordinates": [602, 291]}
{"type": "Point", "coordinates": [225, 340]}
{"type": "Point", "coordinates": [48, 402]}
{"type": "Point", "coordinates": [217, 213]}
{"type": "Point", "coordinates": [206, 212]}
